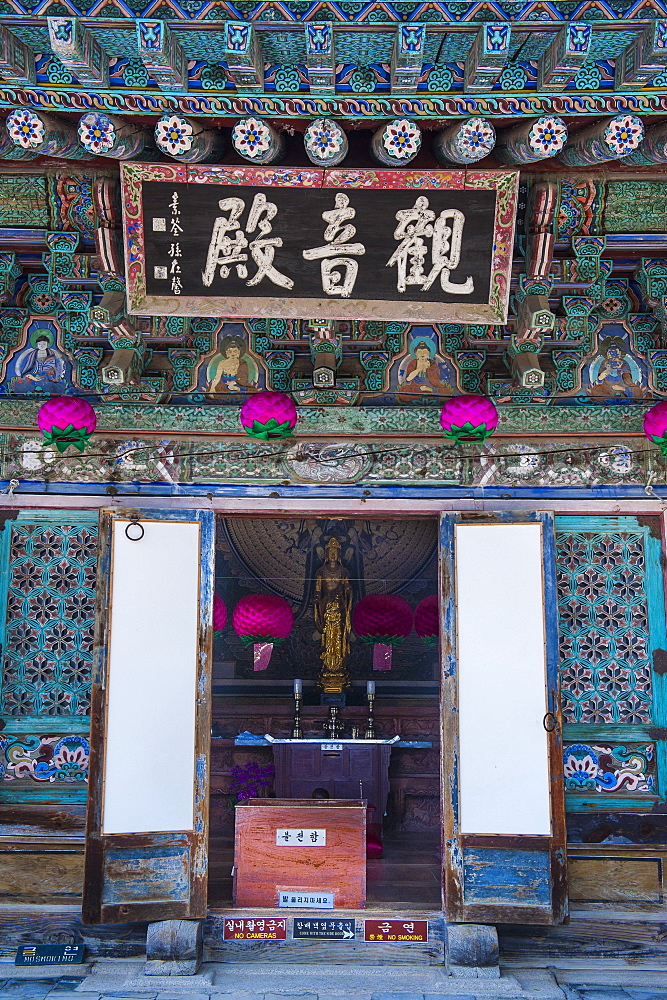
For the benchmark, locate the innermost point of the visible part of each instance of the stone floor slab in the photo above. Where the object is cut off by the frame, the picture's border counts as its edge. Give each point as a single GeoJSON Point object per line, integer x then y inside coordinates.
{"type": "Point", "coordinates": [646, 994]}
{"type": "Point", "coordinates": [130, 995]}
{"type": "Point", "coordinates": [347, 996]}
{"type": "Point", "coordinates": [50, 972]}
{"type": "Point", "coordinates": [541, 983]}
{"type": "Point", "coordinates": [443, 996]}
{"type": "Point", "coordinates": [53, 995]}
{"type": "Point", "coordinates": [25, 989]}
{"type": "Point", "coordinates": [638, 979]}
{"type": "Point", "coordinates": [201, 983]}
{"type": "Point", "coordinates": [397, 996]}
{"type": "Point", "coordinates": [602, 993]}
{"type": "Point", "coordinates": [294, 995]}
{"type": "Point", "coordinates": [181, 996]}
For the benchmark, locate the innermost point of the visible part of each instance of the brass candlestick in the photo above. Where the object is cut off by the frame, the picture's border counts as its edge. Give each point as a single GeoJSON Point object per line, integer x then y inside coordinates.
{"type": "Point", "coordinates": [297, 733]}
{"type": "Point", "coordinates": [333, 724]}
{"type": "Point", "coordinates": [370, 724]}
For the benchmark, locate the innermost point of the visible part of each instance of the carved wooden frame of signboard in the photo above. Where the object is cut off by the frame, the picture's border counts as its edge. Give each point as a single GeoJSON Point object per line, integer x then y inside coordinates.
{"type": "Point", "coordinates": [496, 244]}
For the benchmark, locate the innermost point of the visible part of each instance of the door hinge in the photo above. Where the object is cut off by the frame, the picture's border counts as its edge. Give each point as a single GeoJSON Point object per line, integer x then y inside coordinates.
{"type": "Point", "coordinates": [658, 733]}
{"type": "Point", "coordinates": [660, 661]}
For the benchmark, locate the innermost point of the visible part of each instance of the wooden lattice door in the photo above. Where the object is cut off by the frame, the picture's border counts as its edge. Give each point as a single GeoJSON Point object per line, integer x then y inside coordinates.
{"type": "Point", "coordinates": [504, 816]}
{"type": "Point", "coordinates": [147, 835]}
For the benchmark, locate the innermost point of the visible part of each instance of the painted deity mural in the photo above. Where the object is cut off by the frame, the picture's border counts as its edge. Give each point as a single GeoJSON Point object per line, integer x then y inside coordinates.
{"type": "Point", "coordinates": [615, 374]}
{"type": "Point", "coordinates": [216, 363]}
{"type": "Point", "coordinates": [40, 366]}
{"type": "Point", "coordinates": [423, 372]}
{"type": "Point", "coordinates": [231, 368]}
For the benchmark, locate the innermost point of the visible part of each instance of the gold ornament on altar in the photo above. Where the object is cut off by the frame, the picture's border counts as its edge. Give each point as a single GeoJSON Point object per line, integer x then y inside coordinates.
{"type": "Point", "coordinates": [333, 610]}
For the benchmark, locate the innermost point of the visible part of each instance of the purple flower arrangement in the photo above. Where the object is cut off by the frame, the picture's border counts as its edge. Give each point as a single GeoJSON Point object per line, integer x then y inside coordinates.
{"type": "Point", "coordinates": [248, 780]}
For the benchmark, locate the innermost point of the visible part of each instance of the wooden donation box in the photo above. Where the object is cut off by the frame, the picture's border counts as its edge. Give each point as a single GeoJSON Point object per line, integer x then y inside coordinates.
{"type": "Point", "coordinates": [301, 848]}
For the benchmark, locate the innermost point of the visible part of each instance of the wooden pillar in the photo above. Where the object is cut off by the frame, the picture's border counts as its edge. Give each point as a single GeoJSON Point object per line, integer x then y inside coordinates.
{"type": "Point", "coordinates": [565, 56]}
{"type": "Point", "coordinates": [187, 140]}
{"type": "Point", "coordinates": [79, 51]}
{"type": "Point", "coordinates": [257, 141]}
{"type": "Point", "coordinates": [534, 140]}
{"type": "Point", "coordinates": [471, 951]}
{"type": "Point", "coordinates": [325, 143]}
{"type": "Point", "coordinates": [465, 142]}
{"type": "Point", "coordinates": [395, 144]}
{"type": "Point", "coordinates": [162, 54]}
{"type": "Point", "coordinates": [8, 148]}
{"type": "Point", "coordinates": [643, 59]}
{"type": "Point", "coordinates": [108, 135]}
{"type": "Point", "coordinates": [173, 948]}
{"type": "Point", "coordinates": [488, 55]}
{"type": "Point", "coordinates": [243, 54]}
{"type": "Point", "coordinates": [653, 149]}
{"type": "Point", "coordinates": [39, 133]}
{"type": "Point", "coordinates": [610, 139]}
{"type": "Point", "coordinates": [17, 61]}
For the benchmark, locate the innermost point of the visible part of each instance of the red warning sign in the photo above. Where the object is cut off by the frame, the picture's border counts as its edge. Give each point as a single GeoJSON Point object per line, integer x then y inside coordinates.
{"type": "Point", "coordinates": [396, 930]}
{"type": "Point", "coordinates": [251, 929]}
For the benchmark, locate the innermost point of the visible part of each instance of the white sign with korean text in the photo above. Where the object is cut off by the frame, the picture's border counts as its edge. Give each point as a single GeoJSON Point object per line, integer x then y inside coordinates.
{"type": "Point", "coordinates": [301, 838]}
{"type": "Point", "coordinates": [306, 900]}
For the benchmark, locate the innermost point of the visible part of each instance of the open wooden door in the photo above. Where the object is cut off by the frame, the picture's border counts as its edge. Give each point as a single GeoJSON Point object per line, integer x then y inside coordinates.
{"type": "Point", "coordinates": [147, 831]}
{"type": "Point", "coordinates": [504, 812]}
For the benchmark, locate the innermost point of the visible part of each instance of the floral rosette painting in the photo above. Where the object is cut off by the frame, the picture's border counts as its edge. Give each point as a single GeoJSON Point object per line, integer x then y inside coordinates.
{"type": "Point", "coordinates": [173, 135]}
{"type": "Point", "coordinates": [25, 128]}
{"type": "Point", "coordinates": [96, 133]}
{"type": "Point", "coordinates": [251, 138]}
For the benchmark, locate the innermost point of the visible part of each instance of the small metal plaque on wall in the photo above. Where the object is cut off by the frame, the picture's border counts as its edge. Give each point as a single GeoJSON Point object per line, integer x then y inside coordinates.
{"type": "Point", "coordinates": [396, 930]}
{"type": "Point", "coordinates": [409, 245]}
{"type": "Point", "coordinates": [50, 954]}
{"type": "Point", "coordinates": [327, 929]}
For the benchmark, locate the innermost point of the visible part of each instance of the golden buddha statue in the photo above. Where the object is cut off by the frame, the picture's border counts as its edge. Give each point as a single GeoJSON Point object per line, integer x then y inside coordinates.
{"type": "Point", "coordinates": [333, 611]}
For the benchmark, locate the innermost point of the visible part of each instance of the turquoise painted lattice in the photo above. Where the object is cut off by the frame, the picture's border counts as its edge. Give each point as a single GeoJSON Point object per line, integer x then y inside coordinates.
{"type": "Point", "coordinates": [49, 620]}
{"type": "Point", "coordinates": [604, 626]}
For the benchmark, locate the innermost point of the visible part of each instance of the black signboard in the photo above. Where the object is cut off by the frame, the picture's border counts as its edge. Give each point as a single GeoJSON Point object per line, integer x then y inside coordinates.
{"type": "Point", "coordinates": [325, 929]}
{"type": "Point", "coordinates": [420, 245]}
{"type": "Point", "coordinates": [50, 954]}
{"type": "Point", "coordinates": [285, 248]}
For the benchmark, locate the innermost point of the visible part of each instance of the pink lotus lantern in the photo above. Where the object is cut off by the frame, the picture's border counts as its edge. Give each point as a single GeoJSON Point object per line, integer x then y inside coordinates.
{"type": "Point", "coordinates": [219, 615]}
{"type": "Point", "coordinates": [65, 420]}
{"type": "Point", "coordinates": [655, 426]}
{"type": "Point", "coordinates": [263, 620]}
{"type": "Point", "coordinates": [269, 414]}
{"type": "Point", "coordinates": [385, 621]}
{"type": "Point", "coordinates": [427, 623]}
{"type": "Point", "coordinates": [468, 418]}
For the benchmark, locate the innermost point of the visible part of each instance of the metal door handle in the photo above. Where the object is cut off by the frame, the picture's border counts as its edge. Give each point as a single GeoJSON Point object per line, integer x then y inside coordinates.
{"type": "Point", "coordinates": [550, 722]}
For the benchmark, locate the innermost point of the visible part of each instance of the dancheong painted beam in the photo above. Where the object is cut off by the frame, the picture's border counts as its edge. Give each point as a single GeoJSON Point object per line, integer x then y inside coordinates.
{"type": "Point", "coordinates": [351, 67]}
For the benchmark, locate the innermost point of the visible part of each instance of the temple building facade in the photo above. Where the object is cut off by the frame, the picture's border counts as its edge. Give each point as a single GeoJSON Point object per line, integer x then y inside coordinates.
{"type": "Point", "coordinates": [333, 444]}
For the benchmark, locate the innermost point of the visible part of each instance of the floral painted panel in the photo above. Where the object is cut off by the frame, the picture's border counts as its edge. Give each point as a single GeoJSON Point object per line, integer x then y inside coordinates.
{"type": "Point", "coordinates": [50, 618]}
{"type": "Point", "coordinates": [41, 758]}
{"type": "Point", "coordinates": [604, 628]}
{"type": "Point", "coordinates": [606, 767]}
